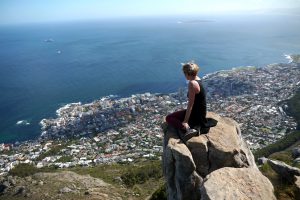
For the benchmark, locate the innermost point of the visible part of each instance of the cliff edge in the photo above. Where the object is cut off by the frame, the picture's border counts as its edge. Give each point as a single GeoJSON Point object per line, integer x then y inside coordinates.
{"type": "Point", "coordinates": [216, 165]}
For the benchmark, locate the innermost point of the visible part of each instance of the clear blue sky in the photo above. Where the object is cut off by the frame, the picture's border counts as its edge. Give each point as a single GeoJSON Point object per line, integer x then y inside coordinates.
{"type": "Point", "coordinates": [19, 11]}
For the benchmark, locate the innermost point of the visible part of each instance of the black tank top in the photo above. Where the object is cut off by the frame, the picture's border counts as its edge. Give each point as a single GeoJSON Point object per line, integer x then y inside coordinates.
{"type": "Point", "coordinates": [198, 114]}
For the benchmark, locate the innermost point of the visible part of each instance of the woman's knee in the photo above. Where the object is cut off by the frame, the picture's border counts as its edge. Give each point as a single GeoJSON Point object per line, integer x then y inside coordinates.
{"type": "Point", "coordinates": [168, 118]}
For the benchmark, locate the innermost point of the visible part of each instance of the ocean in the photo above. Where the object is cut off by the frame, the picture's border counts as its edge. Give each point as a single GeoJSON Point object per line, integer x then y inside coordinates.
{"type": "Point", "coordinates": [45, 66]}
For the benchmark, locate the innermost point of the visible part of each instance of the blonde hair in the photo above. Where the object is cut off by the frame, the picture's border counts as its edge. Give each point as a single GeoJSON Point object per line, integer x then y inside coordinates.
{"type": "Point", "coordinates": [190, 69]}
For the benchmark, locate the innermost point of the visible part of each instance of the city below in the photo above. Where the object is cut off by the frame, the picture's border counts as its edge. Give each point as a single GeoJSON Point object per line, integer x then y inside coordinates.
{"type": "Point", "coordinates": [123, 130]}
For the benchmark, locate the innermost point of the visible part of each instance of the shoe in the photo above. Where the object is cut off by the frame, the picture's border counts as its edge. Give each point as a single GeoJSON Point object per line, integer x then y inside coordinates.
{"type": "Point", "coordinates": [198, 128]}
{"type": "Point", "coordinates": [190, 133]}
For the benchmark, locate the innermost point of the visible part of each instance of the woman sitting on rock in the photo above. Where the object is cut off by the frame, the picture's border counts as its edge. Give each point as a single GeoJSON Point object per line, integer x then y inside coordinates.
{"type": "Point", "coordinates": [191, 121]}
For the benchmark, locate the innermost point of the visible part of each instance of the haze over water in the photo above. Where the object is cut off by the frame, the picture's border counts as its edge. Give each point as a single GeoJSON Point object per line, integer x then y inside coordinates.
{"type": "Point", "coordinates": [44, 66]}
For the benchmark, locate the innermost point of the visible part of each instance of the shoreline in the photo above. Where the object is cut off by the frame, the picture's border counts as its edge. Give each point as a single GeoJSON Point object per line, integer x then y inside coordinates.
{"type": "Point", "coordinates": [293, 58]}
{"type": "Point", "coordinates": [127, 129]}
{"type": "Point", "coordinates": [85, 115]}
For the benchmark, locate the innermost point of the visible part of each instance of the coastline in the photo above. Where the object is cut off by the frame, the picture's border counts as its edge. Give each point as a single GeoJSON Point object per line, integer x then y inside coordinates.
{"type": "Point", "coordinates": [291, 58]}
{"type": "Point", "coordinates": [178, 98]}
{"type": "Point", "coordinates": [88, 79]}
{"type": "Point", "coordinates": [113, 129]}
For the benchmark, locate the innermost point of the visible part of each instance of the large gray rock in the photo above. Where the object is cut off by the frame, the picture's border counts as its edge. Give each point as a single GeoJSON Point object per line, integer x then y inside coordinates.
{"type": "Point", "coordinates": [179, 169]}
{"type": "Point", "coordinates": [223, 146]}
{"type": "Point", "coordinates": [186, 164]}
{"type": "Point", "coordinates": [262, 160]}
{"type": "Point", "coordinates": [284, 170]}
{"type": "Point", "coordinates": [238, 184]}
{"type": "Point", "coordinates": [296, 152]}
{"type": "Point", "coordinates": [297, 160]}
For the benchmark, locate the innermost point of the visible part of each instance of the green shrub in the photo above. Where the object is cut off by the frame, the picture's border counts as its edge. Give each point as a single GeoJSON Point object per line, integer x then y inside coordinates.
{"type": "Point", "coordinates": [52, 152]}
{"type": "Point", "coordinates": [284, 156]}
{"type": "Point", "coordinates": [23, 170]}
{"type": "Point", "coordinates": [265, 168]}
{"type": "Point", "coordinates": [64, 159]}
{"type": "Point", "coordinates": [294, 107]}
{"type": "Point", "coordinates": [139, 175]}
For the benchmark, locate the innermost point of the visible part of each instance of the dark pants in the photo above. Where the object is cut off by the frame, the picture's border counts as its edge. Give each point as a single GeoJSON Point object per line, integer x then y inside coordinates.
{"type": "Point", "coordinates": [175, 119]}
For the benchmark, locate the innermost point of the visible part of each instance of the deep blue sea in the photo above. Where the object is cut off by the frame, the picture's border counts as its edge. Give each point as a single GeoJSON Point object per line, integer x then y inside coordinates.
{"type": "Point", "coordinates": [44, 66]}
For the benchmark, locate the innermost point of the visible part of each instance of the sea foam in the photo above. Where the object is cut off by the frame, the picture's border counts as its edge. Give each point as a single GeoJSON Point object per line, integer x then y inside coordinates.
{"type": "Point", "coordinates": [288, 57]}
{"type": "Point", "coordinates": [23, 122]}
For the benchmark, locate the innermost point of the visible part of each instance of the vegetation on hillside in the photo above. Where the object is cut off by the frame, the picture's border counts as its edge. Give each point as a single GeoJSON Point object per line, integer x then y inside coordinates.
{"type": "Point", "coordinates": [26, 169]}
{"type": "Point", "coordinates": [140, 179]}
{"type": "Point", "coordinates": [160, 194]}
{"type": "Point", "coordinates": [282, 150]}
{"type": "Point", "coordinates": [140, 175]}
{"type": "Point", "coordinates": [283, 189]}
{"type": "Point", "coordinates": [290, 139]}
{"type": "Point", "coordinates": [52, 152]}
{"type": "Point", "coordinates": [294, 107]}
{"type": "Point", "coordinates": [280, 145]}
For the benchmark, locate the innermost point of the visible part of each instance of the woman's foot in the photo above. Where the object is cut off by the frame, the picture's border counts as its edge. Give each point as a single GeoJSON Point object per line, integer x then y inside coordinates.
{"type": "Point", "coordinates": [202, 130]}
{"type": "Point", "coordinates": [185, 135]}
{"type": "Point", "coordinates": [190, 133]}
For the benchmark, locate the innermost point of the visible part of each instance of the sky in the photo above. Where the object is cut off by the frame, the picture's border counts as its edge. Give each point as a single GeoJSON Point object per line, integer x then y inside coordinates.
{"type": "Point", "coordinates": [26, 11]}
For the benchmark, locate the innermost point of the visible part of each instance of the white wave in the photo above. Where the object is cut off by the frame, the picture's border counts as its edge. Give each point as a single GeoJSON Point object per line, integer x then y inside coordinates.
{"type": "Point", "coordinates": [66, 107]}
{"type": "Point", "coordinates": [23, 122]}
{"type": "Point", "coordinates": [288, 57]}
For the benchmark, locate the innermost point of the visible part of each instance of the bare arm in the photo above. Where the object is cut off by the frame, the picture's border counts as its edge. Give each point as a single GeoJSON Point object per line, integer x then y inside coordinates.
{"type": "Point", "coordinates": [190, 104]}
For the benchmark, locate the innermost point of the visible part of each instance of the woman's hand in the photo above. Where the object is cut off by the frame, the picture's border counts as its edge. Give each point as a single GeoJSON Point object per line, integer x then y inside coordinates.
{"type": "Point", "coordinates": [186, 125]}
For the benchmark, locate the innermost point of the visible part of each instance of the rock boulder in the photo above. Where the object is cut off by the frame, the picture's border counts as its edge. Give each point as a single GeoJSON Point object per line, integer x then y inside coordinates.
{"type": "Point", "coordinates": [284, 170]}
{"type": "Point", "coordinates": [236, 183]}
{"type": "Point", "coordinates": [191, 165]}
{"type": "Point", "coordinates": [179, 169]}
{"type": "Point", "coordinates": [223, 146]}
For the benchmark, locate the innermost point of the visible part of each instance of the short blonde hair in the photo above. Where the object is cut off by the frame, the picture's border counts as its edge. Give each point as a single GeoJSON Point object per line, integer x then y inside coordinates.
{"type": "Point", "coordinates": [190, 69]}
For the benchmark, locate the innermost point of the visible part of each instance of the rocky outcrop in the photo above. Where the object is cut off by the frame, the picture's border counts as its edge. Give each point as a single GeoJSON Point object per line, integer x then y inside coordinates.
{"type": "Point", "coordinates": [191, 168]}
{"type": "Point", "coordinates": [296, 152]}
{"type": "Point", "coordinates": [284, 170]}
{"type": "Point", "coordinates": [287, 172]}
{"type": "Point", "coordinates": [236, 183]}
{"type": "Point", "coordinates": [179, 169]}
